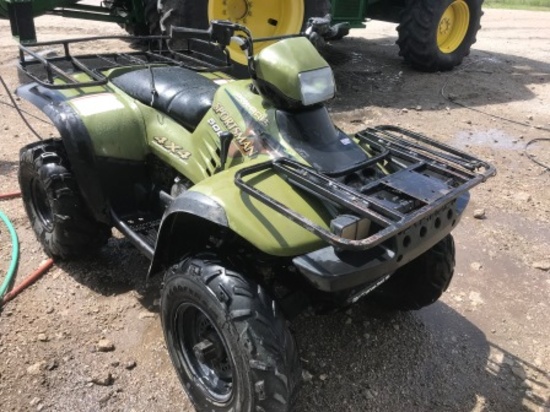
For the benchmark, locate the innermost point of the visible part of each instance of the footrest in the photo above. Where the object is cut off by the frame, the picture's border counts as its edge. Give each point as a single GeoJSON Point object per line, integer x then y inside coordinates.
{"type": "Point", "coordinates": [144, 226]}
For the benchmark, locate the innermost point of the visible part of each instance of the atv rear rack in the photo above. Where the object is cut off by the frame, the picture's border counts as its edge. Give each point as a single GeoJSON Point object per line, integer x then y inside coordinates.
{"type": "Point", "coordinates": [45, 70]}
{"type": "Point", "coordinates": [416, 177]}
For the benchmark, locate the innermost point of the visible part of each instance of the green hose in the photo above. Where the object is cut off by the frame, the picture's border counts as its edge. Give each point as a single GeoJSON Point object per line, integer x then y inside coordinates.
{"type": "Point", "coordinates": [14, 255]}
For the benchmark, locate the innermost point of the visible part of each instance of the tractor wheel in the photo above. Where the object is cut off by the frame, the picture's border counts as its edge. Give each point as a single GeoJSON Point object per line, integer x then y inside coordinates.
{"type": "Point", "coordinates": [263, 18]}
{"type": "Point", "coordinates": [437, 35]}
{"type": "Point", "coordinates": [227, 339]}
{"type": "Point", "coordinates": [420, 282]}
{"type": "Point", "coordinates": [53, 204]}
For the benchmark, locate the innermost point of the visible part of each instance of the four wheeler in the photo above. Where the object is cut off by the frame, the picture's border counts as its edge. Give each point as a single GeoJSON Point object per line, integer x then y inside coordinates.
{"type": "Point", "coordinates": [243, 194]}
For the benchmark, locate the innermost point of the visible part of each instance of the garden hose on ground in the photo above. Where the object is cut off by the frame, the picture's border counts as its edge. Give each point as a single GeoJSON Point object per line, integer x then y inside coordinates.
{"type": "Point", "coordinates": [29, 280]}
{"type": "Point", "coordinates": [43, 268]}
{"type": "Point", "coordinates": [14, 256]}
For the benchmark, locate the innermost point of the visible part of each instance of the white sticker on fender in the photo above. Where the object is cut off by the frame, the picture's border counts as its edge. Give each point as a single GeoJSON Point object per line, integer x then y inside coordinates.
{"type": "Point", "coordinates": [96, 103]}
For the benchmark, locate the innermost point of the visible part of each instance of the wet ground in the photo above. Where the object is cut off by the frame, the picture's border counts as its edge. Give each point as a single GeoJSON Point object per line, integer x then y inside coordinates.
{"type": "Point", "coordinates": [483, 347]}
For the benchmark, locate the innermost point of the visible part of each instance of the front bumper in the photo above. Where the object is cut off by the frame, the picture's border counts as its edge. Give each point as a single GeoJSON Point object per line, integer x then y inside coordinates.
{"type": "Point", "coordinates": [330, 270]}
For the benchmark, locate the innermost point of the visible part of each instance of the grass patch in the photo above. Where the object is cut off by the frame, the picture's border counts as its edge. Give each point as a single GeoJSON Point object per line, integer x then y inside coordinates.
{"type": "Point", "coordinates": [542, 5]}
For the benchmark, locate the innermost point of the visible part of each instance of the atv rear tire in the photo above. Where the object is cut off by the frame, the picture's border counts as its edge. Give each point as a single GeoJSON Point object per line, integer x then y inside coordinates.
{"type": "Point", "coordinates": [53, 204]}
{"type": "Point", "coordinates": [227, 339]}
{"type": "Point", "coordinates": [420, 282]}
{"type": "Point", "coordinates": [198, 13]}
{"type": "Point", "coordinates": [437, 35]}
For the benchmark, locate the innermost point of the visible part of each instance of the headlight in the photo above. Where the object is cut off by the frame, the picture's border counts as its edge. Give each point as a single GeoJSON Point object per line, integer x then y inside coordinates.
{"type": "Point", "coordinates": [317, 86]}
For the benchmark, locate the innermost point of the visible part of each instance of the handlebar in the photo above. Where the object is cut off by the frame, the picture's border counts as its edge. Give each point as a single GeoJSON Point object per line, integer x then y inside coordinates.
{"type": "Point", "coordinates": [220, 31]}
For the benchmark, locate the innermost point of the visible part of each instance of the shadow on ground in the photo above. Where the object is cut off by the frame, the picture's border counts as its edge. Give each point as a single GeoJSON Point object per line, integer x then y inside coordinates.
{"type": "Point", "coordinates": [118, 268]}
{"type": "Point", "coordinates": [366, 358]}
{"type": "Point", "coordinates": [370, 72]}
{"type": "Point", "coordinates": [7, 167]}
{"type": "Point", "coordinates": [433, 359]}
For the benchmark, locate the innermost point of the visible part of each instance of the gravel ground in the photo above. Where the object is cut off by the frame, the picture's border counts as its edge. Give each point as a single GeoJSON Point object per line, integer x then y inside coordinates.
{"type": "Point", "coordinates": [87, 336]}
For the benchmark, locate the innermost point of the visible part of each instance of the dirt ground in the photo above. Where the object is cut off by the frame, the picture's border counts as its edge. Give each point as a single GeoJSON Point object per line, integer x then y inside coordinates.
{"type": "Point", "coordinates": [483, 347]}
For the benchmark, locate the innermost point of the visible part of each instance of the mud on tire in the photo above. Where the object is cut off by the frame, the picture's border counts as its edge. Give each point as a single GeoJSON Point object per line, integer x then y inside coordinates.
{"type": "Point", "coordinates": [53, 203]}
{"type": "Point", "coordinates": [420, 282]}
{"type": "Point", "coordinates": [228, 341]}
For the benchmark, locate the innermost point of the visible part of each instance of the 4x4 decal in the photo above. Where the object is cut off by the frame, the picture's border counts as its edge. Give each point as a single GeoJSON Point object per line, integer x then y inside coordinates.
{"type": "Point", "coordinates": [171, 147]}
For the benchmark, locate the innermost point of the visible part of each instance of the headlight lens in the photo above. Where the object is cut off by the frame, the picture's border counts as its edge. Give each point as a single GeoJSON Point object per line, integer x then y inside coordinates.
{"type": "Point", "coordinates": [317, 86]}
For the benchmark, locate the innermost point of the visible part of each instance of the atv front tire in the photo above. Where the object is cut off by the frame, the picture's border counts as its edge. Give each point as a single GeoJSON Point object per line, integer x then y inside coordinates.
{"type": "Point", "coordinates": [420, 282]}
{"type": "Point", "coordinates": [227, 339]}
{"type": "Point", "coordinates": [436, 35]}
{"type": "Point", "coordinates": [53, 204]}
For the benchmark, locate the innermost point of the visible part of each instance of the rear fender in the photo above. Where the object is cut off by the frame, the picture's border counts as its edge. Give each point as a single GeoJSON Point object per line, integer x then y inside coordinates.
{"type": "Point", "coordinates": [97, 128]}
{"type": "Point", "coordinates": [77, 143]}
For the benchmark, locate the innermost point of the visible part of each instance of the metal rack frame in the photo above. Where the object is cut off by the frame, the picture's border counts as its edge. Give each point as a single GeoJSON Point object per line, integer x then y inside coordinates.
{"type": "Point", "coordinates": [50, 67]}
{"type": "Point", "coordinates": [412, 159]}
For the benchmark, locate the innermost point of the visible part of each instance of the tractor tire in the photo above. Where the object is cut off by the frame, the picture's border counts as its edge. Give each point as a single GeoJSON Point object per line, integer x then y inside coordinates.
{"type": "Point", "coordinates": [198, 13]}
{"type": "Point", "coordinates": [151, 19]}
{"type": "Point", "coordinates": [437, 35]}
{"type": "Point", "coordinates": [53, 204]}
{"type": "Point", "coordinates": [228, 341]}
{"type": "Point", "coordinates": [420, 282]}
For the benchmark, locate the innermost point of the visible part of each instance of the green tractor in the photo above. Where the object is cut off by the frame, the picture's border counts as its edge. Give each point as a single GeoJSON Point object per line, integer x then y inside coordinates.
{"type": "Point", "coordinates": [434, 35]}
{"type": "Point", "coordinates": [244, 196]}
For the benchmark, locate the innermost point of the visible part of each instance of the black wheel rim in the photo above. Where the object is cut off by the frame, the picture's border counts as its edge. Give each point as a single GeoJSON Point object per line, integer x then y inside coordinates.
{"type": "Point", "coordinates": [41, 205]}
{"type": "Point", "coordinates": [202, 351]}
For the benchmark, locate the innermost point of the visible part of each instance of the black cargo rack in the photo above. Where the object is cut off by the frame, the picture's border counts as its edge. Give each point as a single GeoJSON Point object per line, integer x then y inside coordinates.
{"type": "Point", "coordinates": [419, 171]}
{"type": "Point", "coordinates": [196, 56]}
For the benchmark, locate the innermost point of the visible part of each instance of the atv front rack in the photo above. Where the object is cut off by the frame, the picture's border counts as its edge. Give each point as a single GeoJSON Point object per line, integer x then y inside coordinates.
{"type": "Point", "coordinates": [415, 177]}
{"type": "Point", "coordinates": [48, 71]}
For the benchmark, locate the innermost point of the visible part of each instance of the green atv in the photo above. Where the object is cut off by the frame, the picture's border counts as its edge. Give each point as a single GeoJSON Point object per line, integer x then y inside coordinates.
{"type": "Point", "coordinates": [243, 194]}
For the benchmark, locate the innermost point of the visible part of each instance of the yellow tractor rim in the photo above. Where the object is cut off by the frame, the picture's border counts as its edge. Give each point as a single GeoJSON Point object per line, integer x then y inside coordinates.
{"type": "Point", "coordinates": [453, 26]}
{"type": "Point", "coordinates": [263, 18]}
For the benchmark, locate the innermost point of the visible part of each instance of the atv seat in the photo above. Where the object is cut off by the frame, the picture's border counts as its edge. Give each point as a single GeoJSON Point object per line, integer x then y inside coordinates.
{"type": "Point", "coordinates": [180, 93]}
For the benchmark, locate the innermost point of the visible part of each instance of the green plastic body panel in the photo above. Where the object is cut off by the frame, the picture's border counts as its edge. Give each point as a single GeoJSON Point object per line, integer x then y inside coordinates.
{"type": "Point", "coordinates": [236, 108]}
{"type": "Point", "coordinates": [125, 129]}
{"type": "Point", "coordinates": [113, 121]}
{"type": "Point", "coordinates": [122, 128]}
{"type": "Point", "coordinates": [281, 63]}
{"type": "Point", "coordinates": [266, 229]}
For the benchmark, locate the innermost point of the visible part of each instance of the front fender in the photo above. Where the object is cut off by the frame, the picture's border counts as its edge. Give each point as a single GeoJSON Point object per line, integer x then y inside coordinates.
{"type": "Point", "coordinates": [259, 224]}
{"type": "Point", "coordinates": [187, 223]}
{"type": "Point", "coordinates": [217, 202]}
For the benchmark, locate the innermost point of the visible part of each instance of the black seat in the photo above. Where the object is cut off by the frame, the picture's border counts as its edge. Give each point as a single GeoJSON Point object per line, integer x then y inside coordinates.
{"type": "Point", "coordinates": [181, 93]}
